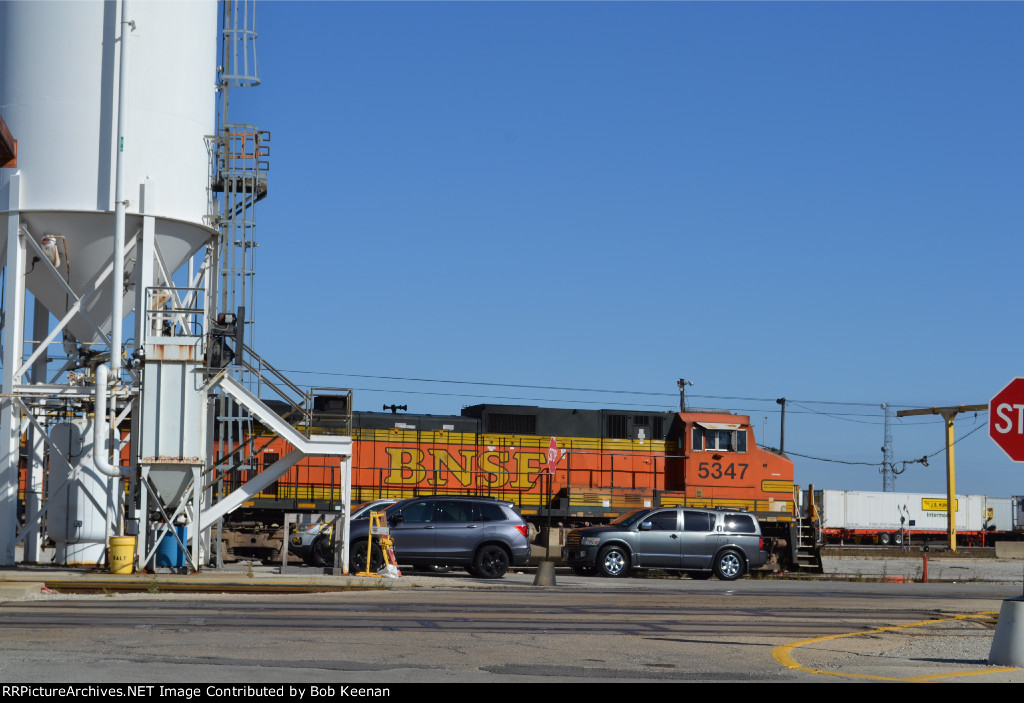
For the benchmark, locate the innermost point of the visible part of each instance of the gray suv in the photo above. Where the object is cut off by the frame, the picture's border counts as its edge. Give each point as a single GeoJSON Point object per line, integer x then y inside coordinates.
{"type": "Point", "coordinates": [699, 542]}
{"type": "Point", "coordinates": [482, 535]}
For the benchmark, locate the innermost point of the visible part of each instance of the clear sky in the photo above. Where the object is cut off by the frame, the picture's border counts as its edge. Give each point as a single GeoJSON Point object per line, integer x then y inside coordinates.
{"type": "Point", "coordinates": [820, 201]}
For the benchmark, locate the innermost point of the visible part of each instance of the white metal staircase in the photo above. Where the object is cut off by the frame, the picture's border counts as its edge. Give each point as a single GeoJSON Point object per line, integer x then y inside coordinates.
{"type": "Point", "coordinates": [305, 445]}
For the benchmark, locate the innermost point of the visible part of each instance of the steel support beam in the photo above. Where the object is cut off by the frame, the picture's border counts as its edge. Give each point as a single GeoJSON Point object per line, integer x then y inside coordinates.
{"type": "Point", "coordinates": [13, 338]}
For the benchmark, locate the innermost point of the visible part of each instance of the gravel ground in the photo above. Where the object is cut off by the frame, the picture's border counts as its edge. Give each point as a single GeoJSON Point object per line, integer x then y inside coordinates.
{"type": "Point", "coordinates": [939, 569]}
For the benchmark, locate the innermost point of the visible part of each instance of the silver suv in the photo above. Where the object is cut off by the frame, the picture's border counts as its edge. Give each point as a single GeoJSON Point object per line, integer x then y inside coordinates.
{"type": "Point", "coordinates": [482, 535]}
{"type": "Point", "coordinates": [699, 542]}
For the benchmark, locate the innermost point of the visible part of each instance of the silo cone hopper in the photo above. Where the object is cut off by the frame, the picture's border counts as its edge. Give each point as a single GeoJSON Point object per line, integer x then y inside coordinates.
{"type": "Point", "coordinates": [83, 246]}
{"type": "Point", "coordinates": [169, 481]}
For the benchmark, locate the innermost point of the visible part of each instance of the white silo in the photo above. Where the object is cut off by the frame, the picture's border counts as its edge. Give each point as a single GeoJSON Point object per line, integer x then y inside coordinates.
{"type": "Point", "coordinates": [59, 91]}
{"type": "Point", "coordinates": [78, 120]}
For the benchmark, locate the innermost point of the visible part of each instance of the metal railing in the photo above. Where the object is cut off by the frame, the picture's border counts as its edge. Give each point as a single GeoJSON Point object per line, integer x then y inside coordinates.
{"type": "Point", "coordinates": [317, 411]}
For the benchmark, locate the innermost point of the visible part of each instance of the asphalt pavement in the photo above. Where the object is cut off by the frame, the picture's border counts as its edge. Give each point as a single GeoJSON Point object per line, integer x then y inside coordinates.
{"type": "Point", "coordinates": [26, 581]}
{"type": "Point", "coordinates": [904, 652]}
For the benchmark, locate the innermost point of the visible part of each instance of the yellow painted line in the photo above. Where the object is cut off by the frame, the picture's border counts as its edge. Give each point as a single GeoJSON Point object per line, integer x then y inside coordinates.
{"type": "Point", "coordinates": [783, 656]}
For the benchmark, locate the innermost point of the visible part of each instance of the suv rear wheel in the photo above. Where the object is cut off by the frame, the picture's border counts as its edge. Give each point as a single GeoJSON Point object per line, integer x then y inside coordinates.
{"type": "Point", "coordinates": [491, 562]}
{"type": "Point", "coordinates": [613, 561]}
{"type": "Point", "coordinates": [729, 565]}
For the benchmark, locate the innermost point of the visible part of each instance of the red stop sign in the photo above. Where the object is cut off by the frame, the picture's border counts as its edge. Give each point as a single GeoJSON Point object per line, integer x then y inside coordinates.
{"type": "Point", "coordinates": [1006, 419]}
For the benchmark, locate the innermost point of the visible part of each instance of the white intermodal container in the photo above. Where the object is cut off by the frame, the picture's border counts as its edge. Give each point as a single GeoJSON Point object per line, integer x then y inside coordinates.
{"type": "Point", "coordinates": [882, 515]}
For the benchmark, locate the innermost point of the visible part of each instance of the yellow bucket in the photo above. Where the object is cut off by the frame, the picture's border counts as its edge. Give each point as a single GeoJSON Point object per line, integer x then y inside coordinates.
{"type": "Point", "coordinates": [122, 555]}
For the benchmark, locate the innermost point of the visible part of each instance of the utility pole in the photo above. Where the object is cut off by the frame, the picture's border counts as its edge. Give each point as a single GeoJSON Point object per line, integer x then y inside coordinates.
{"type": "Point", "coordinates": [782, 430]}
{"type": "Point", "coordinates": [948, 414]}
{"type": "Point", "coordinates": [683, 383]}
{"type": "Point", "coordinates": [888, 475]}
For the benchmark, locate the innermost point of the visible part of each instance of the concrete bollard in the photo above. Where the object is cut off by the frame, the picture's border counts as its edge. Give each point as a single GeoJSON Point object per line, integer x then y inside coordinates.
{"type": "Point", "coordinates": [1008, 643]}
{"type": "Point", "coordinates": [545, 574]}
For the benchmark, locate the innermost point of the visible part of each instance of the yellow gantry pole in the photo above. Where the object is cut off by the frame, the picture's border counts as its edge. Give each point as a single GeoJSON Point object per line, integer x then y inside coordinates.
{"type": "Point", "coordinates": [948, 414]}
{"type": "Point", "coordinates": [950, 481]}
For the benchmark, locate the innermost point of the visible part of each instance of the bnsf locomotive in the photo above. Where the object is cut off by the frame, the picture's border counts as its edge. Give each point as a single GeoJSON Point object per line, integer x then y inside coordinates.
{"type": "Point", "coordinates": [605, 463]}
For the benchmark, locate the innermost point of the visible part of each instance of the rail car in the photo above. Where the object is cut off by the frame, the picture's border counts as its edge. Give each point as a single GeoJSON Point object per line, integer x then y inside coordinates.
{"type": "Point", "coordinates": [606, 462]}
{"type": "Point", "coordinates": [871, 517]}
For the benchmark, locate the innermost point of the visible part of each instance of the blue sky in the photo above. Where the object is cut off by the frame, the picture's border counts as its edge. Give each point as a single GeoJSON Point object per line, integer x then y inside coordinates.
{"type": "Point", "coordinates": [820, 201]}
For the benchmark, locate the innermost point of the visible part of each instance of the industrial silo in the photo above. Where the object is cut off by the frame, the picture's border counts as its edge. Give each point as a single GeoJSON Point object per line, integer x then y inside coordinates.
{"type": "Point", "coordinates": [59, 95]}
{"type": "Point", "coordinates": [95, 126]}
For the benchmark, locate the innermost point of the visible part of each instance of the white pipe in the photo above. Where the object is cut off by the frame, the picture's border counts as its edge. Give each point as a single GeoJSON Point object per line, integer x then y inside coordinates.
{"type": "Point", "coordinates": [117, 307]}
{"type": "Point", "coordinates": [99, 429]}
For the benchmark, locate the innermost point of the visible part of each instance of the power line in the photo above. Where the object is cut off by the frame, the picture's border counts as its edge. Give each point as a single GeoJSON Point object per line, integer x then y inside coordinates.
{"type": "Point", "coordinates": [574, 389]}
{"type": "Point", "coordinates": [479, 383]}
{"type": "Point", "coordinates": [876, 463]}
{"type": "Point", "coordinates": [943, 448]}
{"type": "Point", "coordinates": [500, 397]}
{"type": "Point", "coordinates": [834, 461]}
{"type": "Point", "coordinates": [832, 415]}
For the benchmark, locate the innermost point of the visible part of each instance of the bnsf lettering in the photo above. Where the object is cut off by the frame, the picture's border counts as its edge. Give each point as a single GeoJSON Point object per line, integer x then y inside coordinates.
{"type": "Point", "coordinates": [406, 466]}
{"type": "Point", "coordinates": [490, 469]}
{"type": "Point", "coordinates": [445, 464]}
{"type": "Point", "coordinates": [493, 472]}
{"type": "Point", "coordinates": [714, 470]}
{"type": "Point", "coordinates": [528, 463]}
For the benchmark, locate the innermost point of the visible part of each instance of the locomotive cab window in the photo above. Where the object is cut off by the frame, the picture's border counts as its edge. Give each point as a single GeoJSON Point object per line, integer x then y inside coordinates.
{"type": "Point", "coordinates": [718, 438]}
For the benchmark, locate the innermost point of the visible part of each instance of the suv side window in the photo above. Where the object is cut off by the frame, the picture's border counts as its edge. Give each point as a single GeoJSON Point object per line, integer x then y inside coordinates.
{"type": "Point", "coordinates": [743, 524]}
{"type": "Point", "coordinates": [664, 520]}
{"type": "Point", "coordinates": [420, 511]}
{"type": "Point", "coordinates": [456, 511]}
{"type": "Point", "coordinates": [694, 521]}
{"type": "Point", "coordinates": [491, 512]}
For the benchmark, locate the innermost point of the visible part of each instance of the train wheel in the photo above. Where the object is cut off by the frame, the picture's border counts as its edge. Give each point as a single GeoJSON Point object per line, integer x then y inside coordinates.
{"type": "Point", "coordinates": [613, 561]}
{"type": "Point", "coordinates": [728, 565]}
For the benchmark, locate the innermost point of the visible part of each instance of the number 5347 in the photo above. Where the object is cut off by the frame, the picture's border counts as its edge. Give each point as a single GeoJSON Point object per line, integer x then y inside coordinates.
{"type": "Point", "coordinates": [714, 470]}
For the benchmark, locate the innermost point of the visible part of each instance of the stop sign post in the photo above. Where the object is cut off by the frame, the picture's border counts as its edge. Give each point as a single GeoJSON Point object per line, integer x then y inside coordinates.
{"type": "Point", "coordinates": [1006, 419]}
{"type": "Point", "coordinates": [1006, 427]}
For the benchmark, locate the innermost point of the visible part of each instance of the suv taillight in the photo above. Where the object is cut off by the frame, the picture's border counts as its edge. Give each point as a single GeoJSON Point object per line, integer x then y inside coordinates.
{"type": "Point", "coordinates": [760, 544]}
{"type": "Point", "coordinates": [522, 529]}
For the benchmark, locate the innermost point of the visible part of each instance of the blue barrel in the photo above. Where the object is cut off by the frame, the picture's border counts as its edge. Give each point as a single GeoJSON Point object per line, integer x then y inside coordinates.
{"type": "Point", "coordinates": [169, 553]}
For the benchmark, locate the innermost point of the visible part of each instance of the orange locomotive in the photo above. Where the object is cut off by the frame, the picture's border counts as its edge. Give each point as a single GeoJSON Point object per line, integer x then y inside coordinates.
{"type": "Point", "coordinates": [605, 463]}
